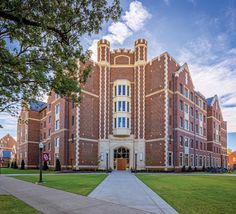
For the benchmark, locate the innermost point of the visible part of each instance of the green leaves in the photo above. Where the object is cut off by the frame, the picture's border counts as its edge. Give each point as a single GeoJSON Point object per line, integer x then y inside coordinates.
{"type": "Point", "coordinates": [40, 46]}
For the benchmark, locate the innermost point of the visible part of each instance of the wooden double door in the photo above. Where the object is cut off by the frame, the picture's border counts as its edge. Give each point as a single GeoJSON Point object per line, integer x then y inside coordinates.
{"type": "Point", "coordinates": [121, 163]}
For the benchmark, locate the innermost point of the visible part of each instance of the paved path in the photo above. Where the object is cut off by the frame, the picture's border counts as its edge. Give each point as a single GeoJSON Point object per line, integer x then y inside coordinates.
{"type": "Point", "coordinates": [52, 201]}
{"type": "Point", "coordinates": [125, 189]}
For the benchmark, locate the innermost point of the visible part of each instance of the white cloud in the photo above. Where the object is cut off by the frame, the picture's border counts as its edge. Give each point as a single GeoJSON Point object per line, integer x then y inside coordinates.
{"type": "Point", "coordinates": [132, 21]}
{"type": "Point", "coordinates": [9, 125]}
{"type": "Point", "coordinates": [136, 16]}
{"type": "Point", "coordinates": [118, 33]}
{"type": "Point", "coordinates": [213, 73]}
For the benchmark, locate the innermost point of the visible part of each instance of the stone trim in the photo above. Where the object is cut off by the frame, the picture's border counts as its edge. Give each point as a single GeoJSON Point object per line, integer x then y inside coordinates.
{"type": "Point", "coordinates": [90, 93]}
{"type": "Point", "coordinates": [156, 92]}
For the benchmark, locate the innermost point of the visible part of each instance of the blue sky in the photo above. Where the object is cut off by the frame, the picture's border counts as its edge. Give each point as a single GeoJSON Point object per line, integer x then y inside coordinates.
{"type": "Point", "coordinates": [199, 32]}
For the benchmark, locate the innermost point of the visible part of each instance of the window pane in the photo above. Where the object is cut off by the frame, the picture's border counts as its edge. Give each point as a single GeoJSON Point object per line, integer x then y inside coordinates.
{"type": "Point", "coordinates": [124, 90]}
{"type": "Point", "coordinates": [119, 122]}
{"type": "Point", "coordinates": [123, 106]}
{"type": "Point", "coordinates": [115, 106]}
{"type": "Point", "coordinates": [123, 122]}
{"type": "Point", "coordinates": [127, 122]}
{"type": "Point", "coordinates": [127, 106]}
{"type": "Point", "coordinates": [119, 105]}
{"type": "Point", "coordinates": [115, 122]}
{"type": "Point", "coordinates": [127, 90]}
{"type": "Point", "coordinates": [119, 90]}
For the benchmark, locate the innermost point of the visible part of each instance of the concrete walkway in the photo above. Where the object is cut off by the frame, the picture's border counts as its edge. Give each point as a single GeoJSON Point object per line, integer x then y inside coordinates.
{"type": "Point", "coordinates": [125, 189]}
{"type": "Point", "coordinates": [52, 201]}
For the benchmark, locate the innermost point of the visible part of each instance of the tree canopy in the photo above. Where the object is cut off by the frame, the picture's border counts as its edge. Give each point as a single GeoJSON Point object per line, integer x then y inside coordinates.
{"type": "Point", "coordinates": [40, 46]}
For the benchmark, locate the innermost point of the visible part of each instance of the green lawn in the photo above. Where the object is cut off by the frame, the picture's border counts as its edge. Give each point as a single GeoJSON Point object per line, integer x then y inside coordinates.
{"type": "Point", "coordinates": [81, 184]}
{"type": "Point", "coordinates": [12, 205]}
{"type": "Point", "coordinates": [195, 194]}
{"type": "Point", "coordinates": [23, 171]}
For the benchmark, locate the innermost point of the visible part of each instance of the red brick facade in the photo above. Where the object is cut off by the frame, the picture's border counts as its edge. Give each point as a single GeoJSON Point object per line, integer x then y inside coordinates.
{"type": "Point", "coordinates": [149, 108]}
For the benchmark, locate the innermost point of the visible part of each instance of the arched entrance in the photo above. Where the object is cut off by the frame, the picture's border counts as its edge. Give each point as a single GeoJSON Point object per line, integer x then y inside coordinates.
{"type": "Point", "coordinates": [121, 158]}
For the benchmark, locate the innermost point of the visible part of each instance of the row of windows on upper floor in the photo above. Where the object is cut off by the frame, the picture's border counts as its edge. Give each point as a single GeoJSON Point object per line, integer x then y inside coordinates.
{"type": "Point", "coordinates": [121, 106]}
{"type": "Point", "coordinates": [187, 109]}
{"type": "Point", "coordinates": [122, 90]}
{"type": "Point", "coordinates": [198, 101]}
{"type": "Point", "coordinates": [121, 122]}
{"type": "Point", "coordinates": [43, 125]}
{"type": "Point", "coordinates": [184, 123]}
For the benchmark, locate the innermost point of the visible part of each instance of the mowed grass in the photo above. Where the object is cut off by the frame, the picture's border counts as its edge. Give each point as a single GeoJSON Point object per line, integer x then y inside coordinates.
{"type": "Point", "coordinates": [195, 194]}
{"type": "Point", "coordinates": [24, 171]}
{"type": "Point", "coordinates": [81, 184]}
{"type": "Point", "coordinates": [11, 205]}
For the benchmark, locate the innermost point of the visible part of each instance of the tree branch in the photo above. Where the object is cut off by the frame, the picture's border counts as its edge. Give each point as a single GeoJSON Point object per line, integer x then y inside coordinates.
{"type": "Point", "coordinates": [25, 21]}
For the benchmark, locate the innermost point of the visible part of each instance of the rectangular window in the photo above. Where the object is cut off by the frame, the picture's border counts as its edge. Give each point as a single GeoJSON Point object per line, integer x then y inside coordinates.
{"type": "Point", "coordinates": [181, 105]}
{"type": "Point", "coordinates": [123, 122]}
{"type": "Point", "coordinates": [44, 124]}
{"type": "Point", "coordinates": [186, 160]}
{"type": "Point", "coordinates": [119, 89]}
{"type": "Point", "coordinates": [119, 122]}
{"type": "Point", "coordinates": [186, 108]}
{"type": "Point", "coordinates": [123, 105]}
{"type": "Point", "coordinates": [186, 92]}
{"type": "Point", "coordinates": [72, 120]}
{"type": "Point", "coordinates": [181, 140]}
{"type": "Point", "coordinates": [181, 122]}
{"type": "Point", "coordinates": [49, 132]}
{"type": "Point", "coordinates": [186, 124]}
{"type": "Point", "coordinates": [186, 142]}
{"type": "Point", "coordinates": [115, 123]}
{"type": "Point", "coordinates": [124, 90]}
{"type": "Point", "coordinates": [197, 129]}
{"type": "Point", "coordinates": [180, 159]}
{"type": "Point", "coordinates": [170, 158]}
{"type": "Point", "coordinates": [57, 125]}
{"type": "Point", "coordinates": [196, 144]}
{"type": "Point", "coordinates": [191, 111]}
{"type": "Point", "coordinates": [57, 142]}
{"type": "Point", "coordinates": [191, 160]}
{"type": "Point", "coordinates": [127, 122]}
{"type": "Point", "coordinates": [191, 128]}
{"type": "Point", "coordinates": [57, 108]}
{"type": "Point", "coordinates": [127, 90]}
{"type": "Point", "coordinates": [127, 106]}
{"type": "Point", "coordinates": [115, 91]}
{"type": "Point", "coordinates": [115, 106]}
{"type": "Point", "coordinates": [119, 105]}
{"type": "Point", "coordinates": [49, 119]}
{"type": "Point", "coordinates": [49, 146]}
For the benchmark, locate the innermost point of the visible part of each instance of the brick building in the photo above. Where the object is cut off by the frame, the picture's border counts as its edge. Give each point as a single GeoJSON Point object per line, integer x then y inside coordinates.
{"type": "Point", "coordinates": [134, 114]}
{"type": "Point", "coordinates": [8, 149]}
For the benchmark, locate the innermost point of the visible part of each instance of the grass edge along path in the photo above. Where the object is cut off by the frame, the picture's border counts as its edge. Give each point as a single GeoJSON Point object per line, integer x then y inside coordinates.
{"type": "Point", "coordinates": [13, 205]}
{"type": "Point", "coordinates": [81, 184]}
{"type": "Point", "coordinates": [194, 194]}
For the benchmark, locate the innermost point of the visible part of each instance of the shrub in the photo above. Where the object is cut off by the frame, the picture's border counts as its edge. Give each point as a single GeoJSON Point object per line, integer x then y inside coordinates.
{"type": "Point", "coordinates": [183, 169]}
{"type": "Point", "coordinates": [58, 165]}
{"type": "Point", "coordinates": [195, 168]}
{"type": "Point", "coordinates": [22, 164]}
{"type": "Point", "coordinates": [15, 165]}
{"type": "Point", "coordinates": [45, 165]}
{"type": "Point", "coordinates": [12, 164]}
{"type": "Point", "coordinates": [190, 169]}
{"type": "Point", "coordinates": [203, 168]}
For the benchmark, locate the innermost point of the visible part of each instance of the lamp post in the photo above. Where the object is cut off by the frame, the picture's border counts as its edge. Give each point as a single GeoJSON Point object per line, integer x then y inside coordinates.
{"type": "Point", "coordinates": [40, 162]}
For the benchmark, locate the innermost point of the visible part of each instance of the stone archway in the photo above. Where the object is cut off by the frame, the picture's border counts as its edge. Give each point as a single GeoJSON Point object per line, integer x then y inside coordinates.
{"type": "Point", "coordinates": [121, 158]}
